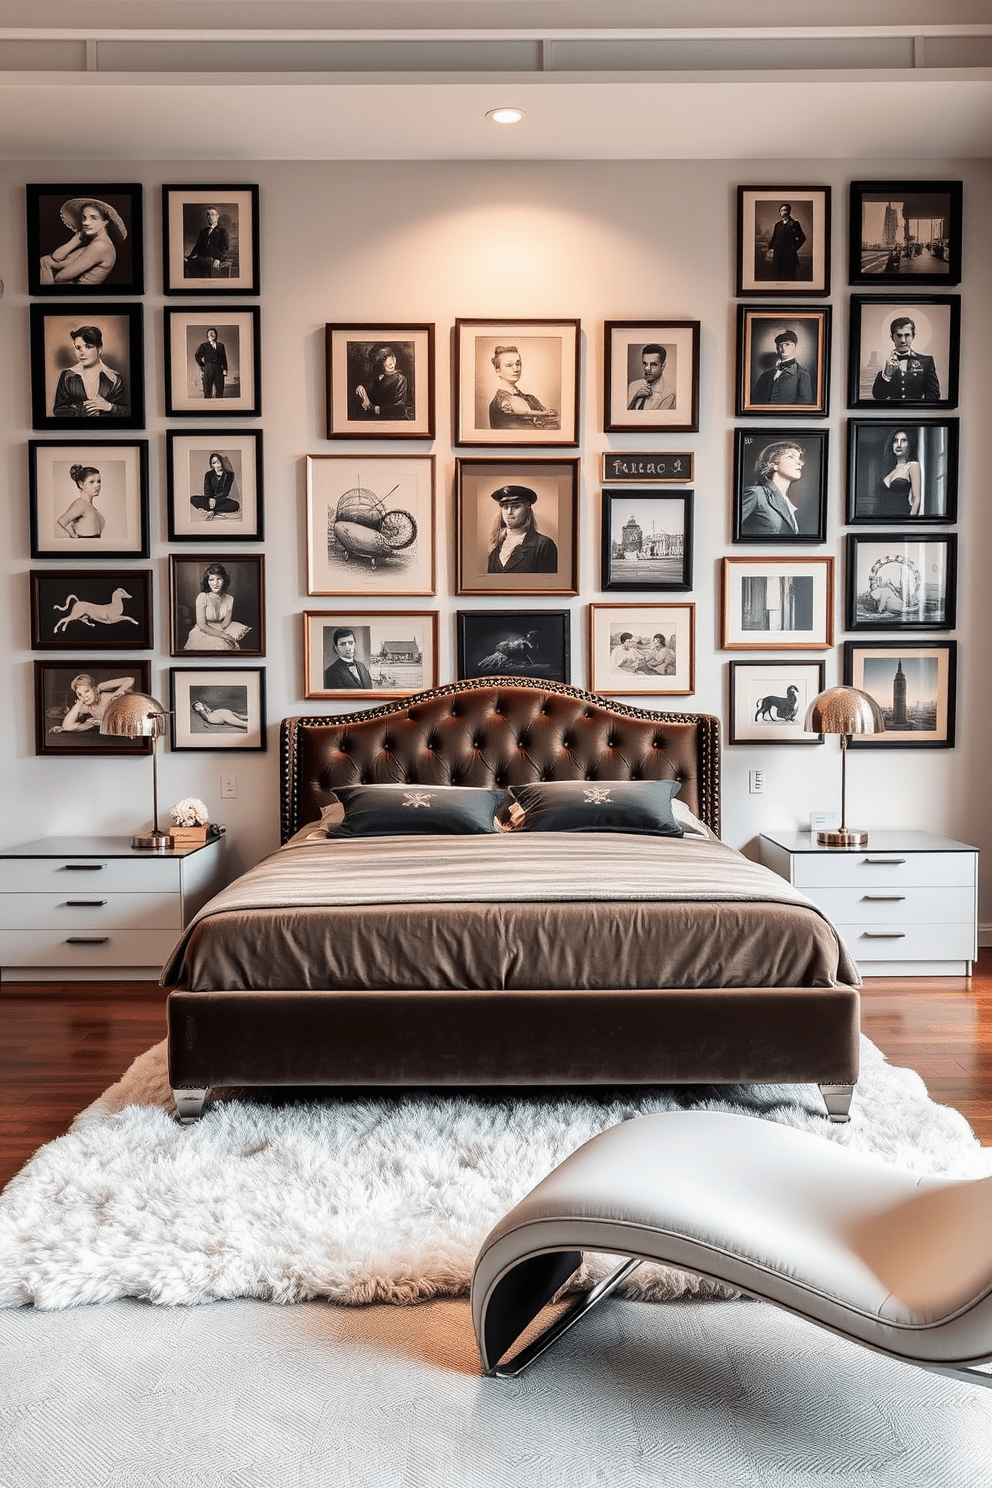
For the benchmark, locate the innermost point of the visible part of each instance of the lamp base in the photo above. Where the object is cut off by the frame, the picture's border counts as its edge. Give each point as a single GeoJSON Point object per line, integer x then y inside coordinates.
{"type": "Point", "coordinates": [842, 837]}
{"type": "Point", "coordinates": [157, 841]}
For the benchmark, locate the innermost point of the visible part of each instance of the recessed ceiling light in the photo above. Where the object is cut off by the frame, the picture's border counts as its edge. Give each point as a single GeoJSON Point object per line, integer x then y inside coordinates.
{"type": "Point", "coordinates": [505, 115]}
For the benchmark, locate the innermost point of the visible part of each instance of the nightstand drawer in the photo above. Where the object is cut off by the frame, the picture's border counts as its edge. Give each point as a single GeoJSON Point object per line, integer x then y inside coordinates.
{"type": "Point", "coordinates": [922, 942]}
{"type": "Point", "coordinates": [897, 904]}
{"type": "Point", "coordinates": [882, 869]}
{"type": "Point", "coordinates": [89, 910]}
{"type": "Point", "coordinates": [79, 948]}
{"type": "Point", "coordinates": [78, 878]}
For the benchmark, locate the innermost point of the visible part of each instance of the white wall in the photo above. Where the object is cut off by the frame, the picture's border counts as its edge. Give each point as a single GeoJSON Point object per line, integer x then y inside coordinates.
{"type": "Point", "coordinates": [429, 242]}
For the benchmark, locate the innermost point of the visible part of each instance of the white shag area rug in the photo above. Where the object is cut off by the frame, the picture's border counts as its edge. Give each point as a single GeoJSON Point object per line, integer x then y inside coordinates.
{"type": "Point", "coordinates": [377, 1200]}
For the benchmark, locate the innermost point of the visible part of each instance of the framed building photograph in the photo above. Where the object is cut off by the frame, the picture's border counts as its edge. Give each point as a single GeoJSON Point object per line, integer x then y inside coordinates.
{"type": "Point", "coordinates": [652, 467]}
{"type": "Point", "coordinates": [85, 240]}
{"type": "Point", "coordinates": [369, 654]}
{"type": "Point", "coordinates": [783, 240]}
{"type": "Point", "coordinates": [217, 709]}
{"type": "Point", "coordinates": [380, 381]}
{"type": "Point", "coordinates": [516, 382]}
{"type": "Point", "coordinates": [780, 604]}
{"type": "Point", "coordinates": [780, 485]}
{"type": "Point", "coordinates": [370, 524]}
{"type": "Point", "coordinates": [87, 367]}
{"type": "Point", "coordinates": [914, 684]}
{"type": "Point", "coordinates": [639, 649]}
{"type": "Point", "coordinates": [514, 643]}
{"type": "Point", "coordinates": [215, 486]}
{"type": "Point", "coordinates": [651, 379]}
{"type": "Point", "coordinates": [517, 526]}
{"type": "Point", "coordinates": [902, 471]}
{"type": "Point", "coordinates": [905, 232]}
{"type": "Point", "coordinates": [768, 700]}
{"type": "Point", "coordinates": [217, 604]}
{"type": "Point", "coordinates": [898, 581]}
{"type": "Point", "coordinates": [783, 362]}
{"type": "Point", "coordinates": [71, 698]}
{"type": "Point", "coordinates": [213, 362]}
{"type": "Point", "coordinates": [88, 500]}
{"type": "Point", "coordinates": [210, 240]}
{"type": "Point", "coordinates": [86, 609]}
{"type": "Point", "coordinates": [904, 352]}
{"type": "Point", "coordinates": [647, 540]}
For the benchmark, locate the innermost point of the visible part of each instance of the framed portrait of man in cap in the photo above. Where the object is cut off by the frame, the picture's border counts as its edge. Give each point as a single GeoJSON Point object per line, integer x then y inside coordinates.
{"type": "Point", "coordinates": [85, 240]}
{"type": "Point", "coordinates": [783, 362]}
{"type": "Point", "coordinates": [517, 526]}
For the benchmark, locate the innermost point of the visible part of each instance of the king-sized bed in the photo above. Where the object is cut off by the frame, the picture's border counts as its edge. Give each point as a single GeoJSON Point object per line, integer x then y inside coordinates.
{"type": "Point", "coordinates": [515, 930]}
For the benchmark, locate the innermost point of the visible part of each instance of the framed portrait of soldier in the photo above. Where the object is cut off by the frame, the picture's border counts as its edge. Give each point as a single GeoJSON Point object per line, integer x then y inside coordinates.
{"type": "Point", "coordinates": [904, 352]}
{"type": "Point", "coordinates": [651, 379]}
{"type": "Point", "coordinates": [905, 233]}
{"type": "Point", "coordinates": [902, 471]}
{"type": "Point", "coordinates": [783, 361]}
{"type": "Point", "coordinates": [516, 382]}
{"type": "Point", "coordinates": [380, 381]}
{"type": "Point", "coordinates": [213, 362]}
{"type": "Point", "coordinates": [85, 240]}
{"type": "Point", "coordinates": [516, 526]}
{"type": "Point", "coordinates": [780, 485]}
{"type": "Point", "coordinates": [210, 240]}
{"type": "Point", "coordinates": [783, 240]}
{"type": "Point", "coordinates": [87, 367]}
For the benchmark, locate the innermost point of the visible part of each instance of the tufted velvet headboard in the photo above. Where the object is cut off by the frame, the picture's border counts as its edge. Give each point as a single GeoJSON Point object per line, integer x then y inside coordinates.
{"type": "Point", "coordinates": [498, 731]}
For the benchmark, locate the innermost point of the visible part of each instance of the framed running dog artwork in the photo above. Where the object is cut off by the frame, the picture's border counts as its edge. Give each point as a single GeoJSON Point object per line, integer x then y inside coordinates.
{"type": "Point", "coordinates": [769, 699]}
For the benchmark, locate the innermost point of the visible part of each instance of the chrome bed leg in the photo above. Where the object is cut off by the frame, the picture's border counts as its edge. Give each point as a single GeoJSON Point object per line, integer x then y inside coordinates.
{"type": "Point", "coordinates": [189, 1104]}
{"type": "Point", "coordinates": [567, 1320]}
{"type": "Point", "coordinates": [837, 1099]}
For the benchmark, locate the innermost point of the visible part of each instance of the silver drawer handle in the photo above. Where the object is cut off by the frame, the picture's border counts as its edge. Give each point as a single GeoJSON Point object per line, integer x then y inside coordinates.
{"type": "Point", "coordinates": [87, 939]}
{"type": "Point", "coordinates": [883, 898]}
{"type": "Point", "coordinates": [883, 934]}
{"type": "Point", "coordinates": [84, 903]}
{"type": "Point", "coordinates": [83, 867]}
{"type": "Point", "coordinates": [885, 862]}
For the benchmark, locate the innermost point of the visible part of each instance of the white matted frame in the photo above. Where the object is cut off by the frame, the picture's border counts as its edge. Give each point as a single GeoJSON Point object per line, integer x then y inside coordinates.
{"type": "Point", "coordinates": [61, 487]}
{"type": "Point", "coordinates": [642, 649]}
{"type": "Point", "coordinates": [548, 566]}
{"type": "Point", "coordinates": [783, 240]}
{"type": "Point", "coordinates": [217, 708]}
{"type": "Point", "coordinates": [769, 699]}
{"type": "Point", "coordinates": [370, 525]}
{"type": "Point", "coordinates": [203, 256]}
{"type": "Point", "coordinates": [516, 382]}
{"type": "Point", "coordinates": [651, 376]}
{"type": "Point", "coordinates": [395, 653]}
{"type": "Point", "coordinates": [779, 604]}
{"type": "Point", "coordinates": [913, 682]}
{"type": "Point", "coordinates": [380, 381]}
{"type": "Point", "coordinates": [236, 388]}
{"type": "Point", "coordinates": [215, 485]}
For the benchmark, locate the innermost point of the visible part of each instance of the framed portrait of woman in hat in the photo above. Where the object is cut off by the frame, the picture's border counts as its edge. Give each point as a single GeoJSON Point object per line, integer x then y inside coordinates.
{"type": "Point", "coordinates": [517, 526]}
{"type": "Point", "coordinates": [85, 240]}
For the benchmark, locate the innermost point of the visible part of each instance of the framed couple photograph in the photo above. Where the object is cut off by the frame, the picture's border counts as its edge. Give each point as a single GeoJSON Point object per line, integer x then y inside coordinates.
{"type": "Point", "coordinates": [370, 524]}
{"type": "Point", "coordinates": [647, 540]}
{"type": "Point", "coordinates": [85, 609]}
{"type": "Point", "coordinates": [215, 486]}
{"type": "Point", "coordinates": [217, 604]}
{"type": "Point", "coordinates": [783, 362]}
{"type": "Point", "coordinates": [780, 485]}
{"type": "Point", "coordinates": [904, 352]}
{"type": "Point", "coordinates": [380, 381]}
{"type": "Point", "coordinates": [71, 698]}
{"type": "Point", "coordinates": [898, 581]}
{"type": "Point", "coordinates": [213, 362]}
{"type": "Point", "coordinates": [903, 470]}
{"type": "Point", "coordinates": [85, 240]}
{"type": "Point", "coordinates": [516, 382]}
{"type": "Point", "coordinates": [905, 232]}
{"type": "Point", "coordinates": [88, 500]}
{"type": "Point", "coordinates": [210, 240]}
{"type": "Point", "coordinates": [516, 526]}
{"type": "Point", "coordinates": [914, 684]}
{"type": "Point", "coordinates": [651, 377]}
{"type": "Point", "coordinates": [639, 649]}
{"type": "Point", "coordinates": [369, 654]}
{"type": "Point", "coordinates": [769, 699]}
{"type": "Point", "coordinates": [217, 709]}
{"type": "Point", "coordinates": [784, 604]}
{"type": "Point", "coordinates": [87, 367]}
{"type": "Point", "coordinates": [783, 240]}
{"type": "Point", "coordinates": [514, 643]}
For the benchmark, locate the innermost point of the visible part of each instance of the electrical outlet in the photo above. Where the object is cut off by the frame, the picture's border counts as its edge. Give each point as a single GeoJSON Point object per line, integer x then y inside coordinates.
{"type": "Point", "coordinates": [756, 782]}
{"type": "Point", "coordinates": [229, 787]}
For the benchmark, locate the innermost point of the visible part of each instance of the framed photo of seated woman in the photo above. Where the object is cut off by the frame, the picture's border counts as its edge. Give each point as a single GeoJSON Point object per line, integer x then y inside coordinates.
{"type": "Point", "coordinates": [380, 381]}
{"type": "Point", "coordinates": [517, 526]}
{"type": "Point", "coordinates": [516, 382]}
{"type": "Point", "coordinates": [217, 605]}
{"type": "Point", "coordinates": [215, 486]}
{"type": "Point", "coordinates": [87, 367]}
{"type": "Point", "coordinates": [85, 240]}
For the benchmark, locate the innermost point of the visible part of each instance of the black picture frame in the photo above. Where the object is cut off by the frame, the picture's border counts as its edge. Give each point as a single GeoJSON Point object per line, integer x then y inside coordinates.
{"type": "Point", "coordinates": [769, 699]}
{"type": "Point", "coordinates": [767, 485]}
{"type": "Point", "coordinates": [927, 493]}
{"type": "Point", "coordinates": [217, 709]}
{"type": "Point", "coordinates": [905, 233]}
{"type": "Point", "coordinates": [91, 238]}
{"type": "Point", "coordinates": [380, 381]}
{"type": "Point", "coordinates": [243, 625]}
{"type": "Point", "coordinates": [54, 491]}
{"type": "Point", "coordinates": [553, 514]}
{"type": "Point", "coordinates": [915, 685]}
{"type": "Point", "coordinates": [514, 643]}
{"type": "Point", "coordinates": [58, 394]}
{"type": "Point", "coordinates": [210, 505]}
{"type": "Point", "coordinates": [224, 384]}
{"type": "Point", "coordinates": [886, 587]}
{"type": "Point", "coordinates": [88, 609]}
{"type": "Point", "coordinates": [55, 698]}
{"type": "Point", "coordinates": [651, 376]}
{"type": "Point", "coordinates": [545, 379]}
{"type": "Point", "coordinates": [783, 361]}
{"type": "Point", "coordinates": [227, 265]}
{"type": "Point", "coordinates": [772, 257]}
{"type": "Point", "coordinates": [930, 380]}
{"type": "Point", "coordinates": [638, 556]}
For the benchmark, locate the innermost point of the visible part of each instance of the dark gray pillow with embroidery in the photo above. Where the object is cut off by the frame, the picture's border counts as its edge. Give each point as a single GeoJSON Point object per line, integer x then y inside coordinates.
{"type": "Point", "coordinates": [641, 806]}
{"type": "Point", "coordinates": [415, 810]}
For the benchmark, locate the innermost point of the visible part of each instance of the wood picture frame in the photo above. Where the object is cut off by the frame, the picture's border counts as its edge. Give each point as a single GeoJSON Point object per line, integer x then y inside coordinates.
{"type": "Point", "coordinates": [70, 697]}
{"type": "Point", "coordinates": [651, 376]}
{"type": "Point", "coordinates": [88, 609]}
{"type": "Point", "coordinates": [85, 240]}
{"type": "Point", "coordinates": [901, 580]}
{"type": "Point", "coordinates": [902, 471]}
{"type": "Point", "coordinates": [516, 382]}
{"type": "Point", "coordinates": [391, 653]}
{"type": "Point", "coordinates": [217, 708]}
{"type": "Point", "coordinates": [87, 367]}
{"type": "Point", "coordinates": [546, 495]}
{"type": "Point", "coordinates": [652, 467]}
{"type": "Point", "coordinates": [98, 490]}
{"type": "Point", "coordinates": [783, 241]}
{"type": "Point", "coordinates": [780, 485]}
{"type": "Point", "coordinates": [904, 352]}
{"type": "Point", "coordinates": [371, 525]}
{"type": "Point", "coordinates": [646, 540]}
{"type": "Point", "coordinates": [215, 375]}
{"type": "Point", "coordinates": [905, 233]}
{"type": "Point", "coordinates": [210, 240]}
{"type": "Point", "coordinates": [783, 361]}
{"type": "Point", "coordinates": [636, 650]}
{"type": "Point", "coordinates": [380, 381]}
{"type": "Point", "coordinates": [215, 486]}
{"type": "Point", "coordinates": [514, 643]}
{"type": "Point", "coordinates": [914, 683]}
{"type": "Point", "coordinates": [203, 625]}
{"type": "Point", "coordinates": [766, 599]}
{"type": "Point", "coordinates": [769, 699]}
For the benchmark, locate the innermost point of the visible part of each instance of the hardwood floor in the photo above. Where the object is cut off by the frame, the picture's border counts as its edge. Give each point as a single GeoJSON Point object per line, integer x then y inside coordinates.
{"type": "Point", "coordinates": [62, 1044]}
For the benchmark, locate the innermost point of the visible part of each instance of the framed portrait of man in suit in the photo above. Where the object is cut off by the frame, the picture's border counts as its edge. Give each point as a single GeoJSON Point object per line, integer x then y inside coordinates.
{"type": "Point", "coordinates": [370, 653]}
{"type": "Point", "coordinates": [783, 240]}
{"type": "Point", "coordinates": [904, 352]}
{"type": "Point", "coordinates": [783, 361]}
{"type": "Point", "coordinates": [780, 485]}
{"type": "Point", "coordinates": [210, 240]}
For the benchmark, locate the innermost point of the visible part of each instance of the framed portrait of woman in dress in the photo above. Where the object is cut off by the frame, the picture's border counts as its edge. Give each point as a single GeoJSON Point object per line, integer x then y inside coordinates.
{"type": "Point", "coordinates": [213, 362]}
{"type": "Point", "coordinates": [88, 500]}
{"type": "Point", "coordinates": [517, 526]}
{"type": "Point", "coordinates": [517, 382]}
{"type": "Point", "coordinates": [380, 381]}
{"type": "Point", "coordinates": [71, 698]}
{"type": "Point", "coordinates": [85, 240]}
{"type": "Point", "coordinates": [217, 708]}
{"type": "Point", "coordinates": [215, 486]}
{"type": "Point", "coordinates": [83, 609]}
{"type": "Point", "coordinates": [902, 471]}
{"type": "Point", "coordinates": [217, 605]}
{"type": "Point", "coordinates": [210, 240]}
{"type": "Point", "coordinates": [87, 367]}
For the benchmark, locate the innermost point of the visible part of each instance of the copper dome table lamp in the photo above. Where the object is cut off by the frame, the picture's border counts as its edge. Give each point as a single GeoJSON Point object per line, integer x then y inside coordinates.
{"type": "Point", "coordinates": [844, 711]}
{"type": "Point", "coordinates": [135, 715]}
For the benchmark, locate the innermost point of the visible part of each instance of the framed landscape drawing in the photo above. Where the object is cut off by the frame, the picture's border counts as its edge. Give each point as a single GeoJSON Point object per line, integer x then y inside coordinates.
{"type": "Point", "coordinates": [87, 367]}
{"type": "Point", "coordinates": [783, 240]}
{"type": "Point", "coordinates": [783, 362]}
{"type": "Point", "coordinates": [215, 486]}
{"type": "Point", "coordinates": [638, 649]}
{"type": "Point", "coordinates": [88, 500]}
{"type": "Point", "coordinates": [780, 485]}
{"type": "Point", "coordinates": [647, 540]}
{"type": "Point", "coordinates": [369, 654]}
{"type": "Point", "coordinates": [514, 643]}
{"type": "Point", "coordinates": [217, 604]}
{"type": "Point", "coordinates": [210, 240]}
{"type": "Point", "coordinates": [651, 379]}
{"type": "Point", "coordinates": [901, 581]}
{"type": "Point", "coordinates": [70, 699]}
{"type": "Point", "coordinates": [380, 381]}
{"type": "Point", "coordinates": [913, 682]}
{"type": "Point", "coordinates": [85, 240]}
{"type": "Point", "coordinates": [217, 708]}
{"type": "Point", "coordinates": [213, 362]}
{"type": "Point", "coordinates": [783, 604]}
{"type": "Point", "coordinates": [87, 609]}
{"type": "Point", "coordinates": [902, 470]}
{"type": "Point", "coordinates": [904, 352]}
{"type": "Point", "coordinates": [370, 524]}
{"type": "Point", "coordinates": [768, 700]}
{"type": "Point", "coordinates": [905, 233]}
{"type": "Point", "coordinates": [516, 382]}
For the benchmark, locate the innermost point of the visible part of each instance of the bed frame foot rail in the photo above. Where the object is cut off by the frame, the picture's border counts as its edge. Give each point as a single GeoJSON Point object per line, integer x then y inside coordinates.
{"type": "Point", "coordinates": [837, 1099]}
{"type": "Point", "coordinates": [189, 1103]}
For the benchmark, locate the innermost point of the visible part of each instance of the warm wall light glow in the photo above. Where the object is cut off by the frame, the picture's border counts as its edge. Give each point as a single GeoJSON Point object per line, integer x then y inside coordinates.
{"type": "Point", "coordinates": [505, 115]}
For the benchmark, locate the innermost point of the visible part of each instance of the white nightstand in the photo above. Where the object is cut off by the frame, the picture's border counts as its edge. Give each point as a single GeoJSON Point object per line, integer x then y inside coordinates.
{"type": "Point", "coordinates": [906, 905]}
{"type": "Point", "coordinates": [92, 908]}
